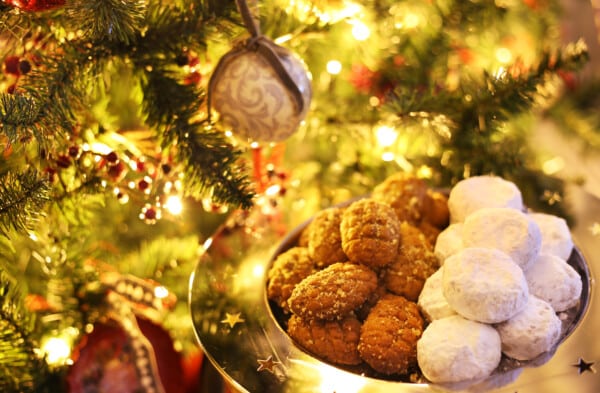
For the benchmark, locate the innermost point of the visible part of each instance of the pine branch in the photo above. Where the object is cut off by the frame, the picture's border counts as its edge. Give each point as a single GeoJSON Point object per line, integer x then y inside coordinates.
{"type": "Point", "coordinates": [22, 197]}
{"type": "Point", "coordinates": [107, 20]}
{"type": "Point", "coordinates": [210, 162]}
{"type": "Point", "coordinates": [21, 369]}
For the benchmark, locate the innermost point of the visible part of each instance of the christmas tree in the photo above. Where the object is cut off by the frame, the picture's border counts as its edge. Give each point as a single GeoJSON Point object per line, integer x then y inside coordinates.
{"type": "Point", "coordinates": [119, 160]}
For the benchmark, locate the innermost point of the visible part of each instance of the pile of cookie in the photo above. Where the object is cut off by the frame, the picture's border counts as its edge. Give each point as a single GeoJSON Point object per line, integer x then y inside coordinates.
{"type": "Point", "coordinates": [502, 283]}
{"type": "Point", "coordinates": [349, 288]}
{"type": "Point", "coordinates": [409, 282]}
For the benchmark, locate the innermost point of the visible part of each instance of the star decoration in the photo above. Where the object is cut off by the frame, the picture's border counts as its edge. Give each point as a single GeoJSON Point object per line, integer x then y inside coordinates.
{"type": "Point", "coordinates": [584, 366]}
{"type": "Point", "coordinates": [595, 228]}
{"type": "Point", "coordinates": [267, 364]}
{"type": "Point", "coordinates": [233, 319]}
{"type": "Point", "coordinates": [552, 197]}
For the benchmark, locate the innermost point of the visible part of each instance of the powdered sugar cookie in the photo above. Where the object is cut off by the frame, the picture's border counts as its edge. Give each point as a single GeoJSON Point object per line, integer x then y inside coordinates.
{"type": "Point", "coordinates": [455, 349]}
{"type": "Point", "coordinates": [508, 230]}
{"type": "Point", "coordinates": [484, 284]}
{"type": "Point", "coordinates": [533, 331]}
{"type": "Point", "coordinates": [432, 302]}
{"type": "Point", "coordinates": [477, 192]}
{"type": "Point", "coordinates": [556, 237]}
{"type": "Point", "coordinates": [449, 242]}
{"type": "Point", "coordinates": [555, 281]}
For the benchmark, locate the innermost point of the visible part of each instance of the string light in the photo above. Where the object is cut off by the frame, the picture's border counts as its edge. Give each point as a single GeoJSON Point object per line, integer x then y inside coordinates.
{"type": "Point", "coordinates": [334, 67]}
{"type": "Point", "coordinates": [174, 205]}
{"type": "Point", "coordinates": [360, 31]}
{"type": "Point", "coordinates": [57, 351]}
{"type": "Point", "coordinates": [503, 55]}
{"type": "Point", "coordinates": [386, 135]}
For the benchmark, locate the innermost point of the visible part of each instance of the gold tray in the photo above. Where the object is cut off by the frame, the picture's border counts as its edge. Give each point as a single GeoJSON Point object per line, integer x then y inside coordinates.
{"type": "Point", "coordinates": [240, 336]}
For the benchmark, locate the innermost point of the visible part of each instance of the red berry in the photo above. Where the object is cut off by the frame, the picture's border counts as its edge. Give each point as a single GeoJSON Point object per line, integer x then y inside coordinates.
{"type": "Point", "coordinates": [63, 161]}
{"type": "Point", "coordinates": [24, 67]}
{"type": "Point", "coordinates": [74, 151]}
{"type": "Point", "coordinates": [112, 157]}
{"type": "Point", "coordinates": [11, 65]}
{"type": "Point", "coordinates": [150, 214]}
{"type": "Point", "coordinates": [117, 171]}
{"type": "Point", "coordinates": [143, 185]}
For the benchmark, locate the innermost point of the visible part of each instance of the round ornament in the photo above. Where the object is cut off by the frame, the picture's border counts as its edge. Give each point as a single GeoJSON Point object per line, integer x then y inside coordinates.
{"type": "Point", "coordinates": [253, 99]}
{"type": "Point", "coordinates": [261, 90]}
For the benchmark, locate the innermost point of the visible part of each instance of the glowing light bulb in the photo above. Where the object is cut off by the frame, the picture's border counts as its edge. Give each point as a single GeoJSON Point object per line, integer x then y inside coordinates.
{"type": "Point", "coordinates": [386, 135]}
{"type": "Point", "coordinates": [334, 67]}
{"type": "Point", "coordinates": [57, 350]}
{"type": "Point", "coordinates": [174, 205]}
{"type": "Point", "coordinates": [360, 31]}
{"type": "Point", "coordinates": [503, 55]}
{"type": "Point", "coordinates": [161, 292]}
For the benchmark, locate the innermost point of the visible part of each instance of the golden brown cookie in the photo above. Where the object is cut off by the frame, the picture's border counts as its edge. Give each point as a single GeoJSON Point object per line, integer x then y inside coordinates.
{"type": "Point", "coordinates": [405, 193]}
{"type": "Point", "coordinates": [435, 209]}
{"type": "Point", "coordinates": [415, 263]}
{"type": "Point", "coordinates": [370, 233]}
{"type": "Point", "coordinates": [289, 268]}
{"type": "Point", "coordinates": [334, 292]}
{"type": "Point", "coordinates": [334, 341]}
{"type": "Point", "coordinates": [389, 335]}
{"type": "Point", "coordinates": [324, 238]}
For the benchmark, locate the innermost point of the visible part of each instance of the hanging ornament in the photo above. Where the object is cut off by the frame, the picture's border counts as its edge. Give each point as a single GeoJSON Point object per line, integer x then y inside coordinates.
{"type": "Point", "coordinates": [261, 90]}
{"type": "Point", "coordinates": [128, 350]}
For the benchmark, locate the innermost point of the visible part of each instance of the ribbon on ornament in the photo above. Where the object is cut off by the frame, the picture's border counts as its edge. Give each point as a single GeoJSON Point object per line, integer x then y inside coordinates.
{"type": "Point", "coordinates": [263, 46]}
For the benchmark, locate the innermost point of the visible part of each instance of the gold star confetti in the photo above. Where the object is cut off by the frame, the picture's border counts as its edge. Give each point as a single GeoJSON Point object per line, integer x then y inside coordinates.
{"type": "Point", "coordinates": [595, 229]}
{"type": "Point", "coordinates": [233, 319]}
{"type": "Point", "coordinates": [267, 364]}
{"type": "Point", "coordinates": [552, 197]}
{"type": "Point", "coordinates": [584, 366]}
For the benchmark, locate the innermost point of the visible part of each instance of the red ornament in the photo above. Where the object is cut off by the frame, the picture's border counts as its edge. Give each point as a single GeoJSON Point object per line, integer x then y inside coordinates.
{"type": "Point", "coordinates": [104, 362]}
{"type": "Point", "coordinates": [35, 5]}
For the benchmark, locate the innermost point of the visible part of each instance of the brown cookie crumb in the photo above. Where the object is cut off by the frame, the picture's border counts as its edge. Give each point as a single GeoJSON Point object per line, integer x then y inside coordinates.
{"type": "Point", "coordinates": [335, 341]}
{"type": "Point", "coordinates": [334, 292]}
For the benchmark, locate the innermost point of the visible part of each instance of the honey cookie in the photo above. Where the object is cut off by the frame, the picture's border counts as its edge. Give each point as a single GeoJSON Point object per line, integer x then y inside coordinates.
{"type": "Point", "coordinates": [370, 233]}
{"type": "Point", "coordinates": [334, 292]}
{"type": "Point", "coordinates": [389, 335]}
{"type": "Point", "coordinates": [289, 268]}
{"type": "Point", "coordinates": [405, 193]}
{"type": "Point", "coordinates": [324, 238]}
{"type": "Point", "coordinates": [335, 341]}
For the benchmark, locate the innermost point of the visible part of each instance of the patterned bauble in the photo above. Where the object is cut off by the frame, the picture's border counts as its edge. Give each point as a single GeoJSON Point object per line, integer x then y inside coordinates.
{"type": "Point", "coordinates": [261, 91]}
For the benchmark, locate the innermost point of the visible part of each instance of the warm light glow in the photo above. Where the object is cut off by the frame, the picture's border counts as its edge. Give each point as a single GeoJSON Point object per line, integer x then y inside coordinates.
{"type": "Point", "coordinates": [100, 148]}
{"type": "Point", "coordinates": [553, 166]}
{"type": "Point", "coordinates": [334, 67]}
{"type": "Point", "coordinates": [360, 31]}
{"type": "Point", "coordinates": [258, 271]}
{"type": "Point", "coordinates": [174, 205]}
{"type": "Point", "coordinates": [503, 55]}
{"type": "Point", "coordinates": [409, 21]}
{"type": "Point", "coordinates": [386, 135]}
{"type": "Point", "coordinates": [388, 156]}
{"type": "Point", "coordinates": [333, 380]}
{"type": "Point", "coordinates": [57, 351]}
{"type": "Point", "coordinates": [161, 292]}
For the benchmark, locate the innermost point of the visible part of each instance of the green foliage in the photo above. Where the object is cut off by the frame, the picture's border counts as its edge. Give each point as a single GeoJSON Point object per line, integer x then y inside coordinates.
{"type": "Point", "coordinates": [22, 197]}
{"type": "Point", "coordinates": [21, 368]}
